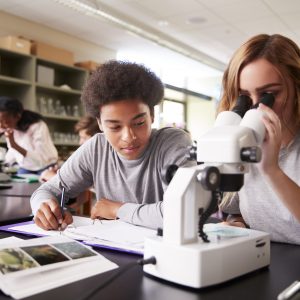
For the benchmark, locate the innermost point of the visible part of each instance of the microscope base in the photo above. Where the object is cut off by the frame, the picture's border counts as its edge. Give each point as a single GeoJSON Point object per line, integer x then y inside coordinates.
{"type": "Point", "coordinates": [202, 264]}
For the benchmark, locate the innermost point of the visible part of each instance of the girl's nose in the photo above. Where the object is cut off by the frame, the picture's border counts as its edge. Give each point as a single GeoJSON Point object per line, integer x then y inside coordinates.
{"type": "Point", "coordinates": [255, 101]}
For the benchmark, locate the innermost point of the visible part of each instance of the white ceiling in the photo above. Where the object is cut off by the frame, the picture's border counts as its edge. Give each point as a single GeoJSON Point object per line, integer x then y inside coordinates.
{"type": "Point", "coordinates": [209, 30]}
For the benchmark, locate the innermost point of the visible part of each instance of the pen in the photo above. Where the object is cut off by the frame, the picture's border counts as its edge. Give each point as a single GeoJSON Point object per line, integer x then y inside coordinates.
{"type": "Point", "coordinates": [290, 291]}
{"type": "Point", "coordinates": [62, 205]}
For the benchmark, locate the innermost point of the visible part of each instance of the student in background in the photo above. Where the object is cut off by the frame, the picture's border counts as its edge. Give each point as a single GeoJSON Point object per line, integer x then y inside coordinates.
{"type": "Point", "coordinates": [270, 198]}
{"type": "Point", "coordinates": [27, 135]}
{"type": "Point", "coordinates": [86, 127]}
{"type": "Point", "coordinates": [125, 163]}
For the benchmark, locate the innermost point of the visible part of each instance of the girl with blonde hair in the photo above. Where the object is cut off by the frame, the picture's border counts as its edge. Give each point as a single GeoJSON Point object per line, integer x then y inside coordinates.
{"type": "Point", "coordinates": [270, 198]}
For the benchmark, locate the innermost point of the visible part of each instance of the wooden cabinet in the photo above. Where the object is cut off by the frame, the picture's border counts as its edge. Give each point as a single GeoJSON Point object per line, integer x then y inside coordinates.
{"type": "Point", "coordinates": [46, 87]}
{"type": "Point", "coordinates": [17, 76]}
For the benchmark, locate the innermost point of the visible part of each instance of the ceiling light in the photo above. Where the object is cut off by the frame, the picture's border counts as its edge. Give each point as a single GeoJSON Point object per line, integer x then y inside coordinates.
{"type": "Point", "coordinates": [163, 23]}
{"type": "Point", "coordinates": [196, 20]}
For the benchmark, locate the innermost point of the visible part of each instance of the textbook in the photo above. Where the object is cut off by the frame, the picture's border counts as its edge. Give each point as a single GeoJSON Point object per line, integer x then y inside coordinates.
{"type": "Point", "coordinates": [28, 267]}
{"type": "Point", "coordinates": [109, 234]}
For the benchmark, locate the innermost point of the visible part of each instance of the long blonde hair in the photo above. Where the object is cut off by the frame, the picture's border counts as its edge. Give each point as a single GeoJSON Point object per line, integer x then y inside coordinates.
{"type": "Point", "coordinates": [280, 51]}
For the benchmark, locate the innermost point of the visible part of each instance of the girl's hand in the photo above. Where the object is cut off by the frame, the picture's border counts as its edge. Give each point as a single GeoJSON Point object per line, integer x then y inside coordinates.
{"type": "Point", "coordinates": [9, 133]}
{"type": "Point", "coordinates": [272, 142]}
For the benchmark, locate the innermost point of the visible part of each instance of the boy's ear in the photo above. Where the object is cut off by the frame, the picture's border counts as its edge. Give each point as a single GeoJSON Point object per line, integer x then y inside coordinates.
{"type": "Point", "coordinates": [99, 124]}
{"type": "Point", "coordinates": [152, 114]}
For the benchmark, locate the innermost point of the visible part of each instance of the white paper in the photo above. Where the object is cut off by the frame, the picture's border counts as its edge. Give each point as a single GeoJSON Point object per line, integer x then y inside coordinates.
{"type": "Point", "coordinates": [113, 231]}
{"type": "Point", "coordinates": [9, 240]}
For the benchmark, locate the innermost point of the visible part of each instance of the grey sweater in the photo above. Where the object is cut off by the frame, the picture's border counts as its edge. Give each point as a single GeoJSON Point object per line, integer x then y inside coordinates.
{"type": "Point", "coordinates": [138, 183]}
{"type": "Point", "coordinates": [260, 206]}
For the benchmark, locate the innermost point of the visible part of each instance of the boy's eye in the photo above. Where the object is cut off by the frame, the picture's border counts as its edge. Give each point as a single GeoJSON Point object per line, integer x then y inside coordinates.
{"type": "Point", "coordinates": [139, 123]}
{"type": "Point", "coordinates": [114, 128]}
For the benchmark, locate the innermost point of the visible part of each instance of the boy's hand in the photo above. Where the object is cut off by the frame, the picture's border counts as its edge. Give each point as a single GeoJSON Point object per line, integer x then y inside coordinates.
{"type": "Point", "coordinates": [49, 217]}
{"type": "Point", "coordinates": [105, 209]}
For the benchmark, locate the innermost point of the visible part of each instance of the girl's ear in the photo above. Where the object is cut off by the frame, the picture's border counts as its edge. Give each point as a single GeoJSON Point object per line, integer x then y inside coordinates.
{"type": "Point", "coordinates": [18, 117]}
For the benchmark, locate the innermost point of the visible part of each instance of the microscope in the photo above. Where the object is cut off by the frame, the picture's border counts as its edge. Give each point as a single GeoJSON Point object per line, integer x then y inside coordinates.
{"type": "Point", "coordinates": [190, 252]}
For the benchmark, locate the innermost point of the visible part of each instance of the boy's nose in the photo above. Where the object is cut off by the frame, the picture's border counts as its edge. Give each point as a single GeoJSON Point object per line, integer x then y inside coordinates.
{"type": "Point", "coordinates": [128, 135]}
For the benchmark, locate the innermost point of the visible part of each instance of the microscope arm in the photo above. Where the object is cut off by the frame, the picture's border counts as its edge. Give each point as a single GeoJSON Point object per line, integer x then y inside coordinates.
{"type": "Point", "coordinates": [190, 199]}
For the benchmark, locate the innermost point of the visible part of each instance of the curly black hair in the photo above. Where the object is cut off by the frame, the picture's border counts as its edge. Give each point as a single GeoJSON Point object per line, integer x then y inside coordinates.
{"type": "Point", "coordinates": [14, 107]}
{"type": "Point", "coordinates": [119, 80]}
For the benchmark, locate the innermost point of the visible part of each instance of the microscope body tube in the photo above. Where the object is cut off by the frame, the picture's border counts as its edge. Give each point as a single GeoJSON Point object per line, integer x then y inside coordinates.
{"type": "Point", "coordinates": [225, 118]}
{"type": "Point", "coordinates": [253, 120]}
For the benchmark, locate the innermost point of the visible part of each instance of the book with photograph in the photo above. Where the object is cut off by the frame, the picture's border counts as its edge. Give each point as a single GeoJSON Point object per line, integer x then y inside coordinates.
{"type": "Point", "coordinates": [32, 266]}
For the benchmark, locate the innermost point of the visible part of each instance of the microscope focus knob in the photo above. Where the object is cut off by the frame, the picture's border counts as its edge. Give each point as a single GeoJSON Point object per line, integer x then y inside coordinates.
{"type": "Point", "coordinates": [251, 154]}
{"type": "Point", "coordinates": [210, 178]}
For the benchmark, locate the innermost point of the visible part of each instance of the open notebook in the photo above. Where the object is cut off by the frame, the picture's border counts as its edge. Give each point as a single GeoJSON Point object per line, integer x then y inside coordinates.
{"type": "Point", "coordinates": [28, 267]}
{"type": "Point", "coordinates": [111, 234]}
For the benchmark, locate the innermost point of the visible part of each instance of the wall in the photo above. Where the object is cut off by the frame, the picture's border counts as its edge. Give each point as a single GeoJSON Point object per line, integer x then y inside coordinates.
{"type": "Point", "coordinates": [174, 95]}
{"type": "Point", "coordinates": [200, 116]}
{"type": "Point", "coordinates": [200, 113]}
{"type": "Point", "coordinates": [210, 86]}
{"type": "Point", "coordinates": [13, 25]}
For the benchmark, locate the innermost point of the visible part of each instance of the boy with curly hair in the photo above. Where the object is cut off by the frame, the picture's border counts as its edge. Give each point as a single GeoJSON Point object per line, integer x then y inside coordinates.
{"type": "Point", "coordinates": [126, 162]}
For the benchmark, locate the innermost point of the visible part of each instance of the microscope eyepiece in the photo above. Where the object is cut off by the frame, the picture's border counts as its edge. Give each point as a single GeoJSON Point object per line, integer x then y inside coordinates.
{"type": "Point", "coordinates": [243, 104]}
{"type": "Point", "coordinates": [267, 99]}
